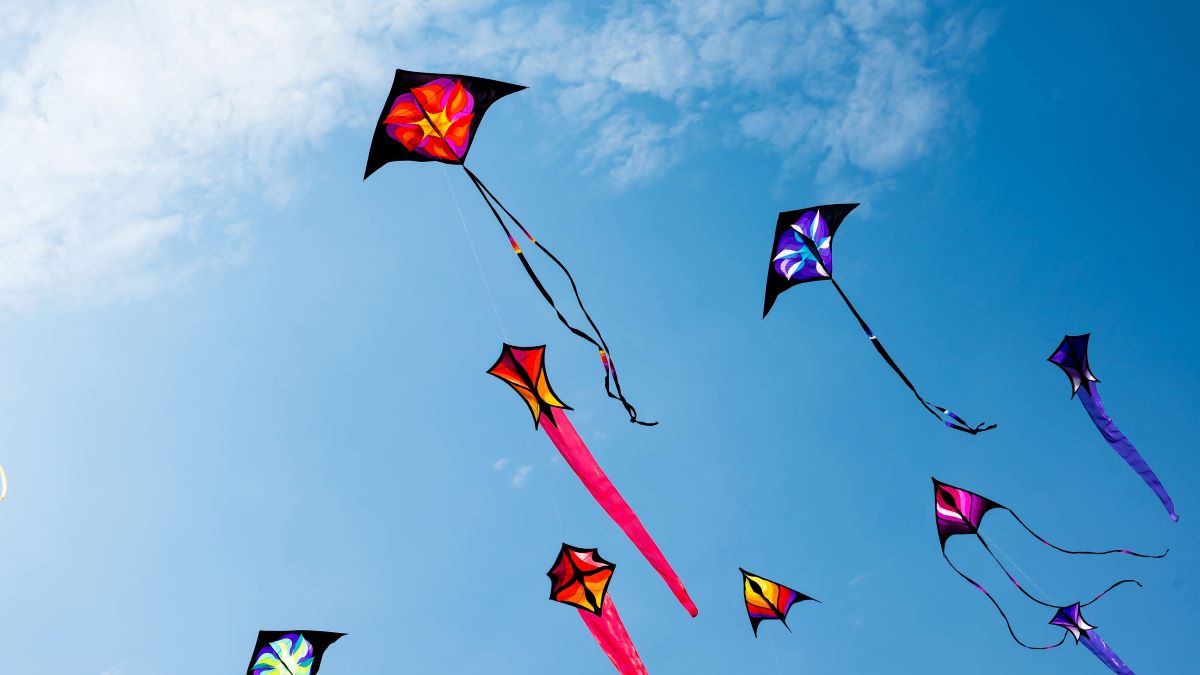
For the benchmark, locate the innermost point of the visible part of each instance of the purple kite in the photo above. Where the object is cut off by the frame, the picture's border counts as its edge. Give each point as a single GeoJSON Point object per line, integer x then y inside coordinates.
{"type": "Point", "coordinates": [1071, 355]}
{"type": "Point", "coordinates": [1071, 618]}
{"type": "Point", "coordinates": [959, 511]}
{"type": "Point", "coordinates": [802, 251]}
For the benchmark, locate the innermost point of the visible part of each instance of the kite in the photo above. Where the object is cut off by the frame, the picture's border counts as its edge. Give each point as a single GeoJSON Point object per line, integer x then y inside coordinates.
{"type": "Point", "coordinates": [431, 117]}
{"type": "Point", "coordinates": [802, 251]}
{"type": "Point", "coordinates": [1071, 619]}
{"type": "Point", "coordinates": [958, 511]}
{"type": "Point", "coordinates": [522, 368]}
{"type": "Point", "coordinates": [1071, 356]}
{"type": "Point", "coordinates": [3, 484]}
{"type": "Point", "coordinates": [580, 578]}
{"type": "Point", "coordinates": [290, 652]}
{"type": "Point", "coordinates": [767, 600]}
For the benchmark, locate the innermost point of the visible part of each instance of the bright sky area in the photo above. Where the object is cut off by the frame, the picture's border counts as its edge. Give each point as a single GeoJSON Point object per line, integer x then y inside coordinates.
{"type": "Point", "coordinates": [245, 389]}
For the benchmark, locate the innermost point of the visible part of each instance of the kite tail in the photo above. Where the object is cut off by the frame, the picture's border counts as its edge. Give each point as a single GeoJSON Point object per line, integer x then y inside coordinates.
{"type": "Point", "coordinates": [1063, 550]}
{"type": "Point", "coordinates": [1118, 441]}
{"type": "Point", "coordinates": [943, 414]}
{"type": "Point", "coordinates": [998, 609]}
{"type": "Point", "coordinates": [610, 634]}
{"type": "Point", "coordinates": [1105, 591]}
{"type": "Point", "coordinates": [1096, 645]}
{"type": "Point", "coordinates": [581, 461]}
{"type": "Point", "coordinates": [611, 380]}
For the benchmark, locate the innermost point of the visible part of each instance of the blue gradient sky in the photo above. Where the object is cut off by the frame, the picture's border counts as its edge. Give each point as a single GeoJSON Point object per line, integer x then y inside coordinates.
{"type": "Point", "coordinates": [307, 438]}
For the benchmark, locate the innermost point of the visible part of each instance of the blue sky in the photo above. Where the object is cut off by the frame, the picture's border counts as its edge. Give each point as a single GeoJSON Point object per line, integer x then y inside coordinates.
{"type": "Point", "coordinates": [246, 390]}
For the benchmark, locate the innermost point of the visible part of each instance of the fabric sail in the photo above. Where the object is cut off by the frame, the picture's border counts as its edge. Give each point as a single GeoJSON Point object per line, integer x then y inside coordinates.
{"type": "Point", "coordinates": [580, 577]}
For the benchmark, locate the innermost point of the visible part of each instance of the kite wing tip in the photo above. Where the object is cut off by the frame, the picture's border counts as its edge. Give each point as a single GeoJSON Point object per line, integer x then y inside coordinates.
{"type": "Point", "coordinates": [1174, 519]}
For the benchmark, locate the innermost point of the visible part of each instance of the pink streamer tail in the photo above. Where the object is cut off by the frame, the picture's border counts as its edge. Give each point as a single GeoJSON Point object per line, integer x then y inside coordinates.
{"type": "Point", "coordinates": [580, 459]}
{"type": "Point", "coordinates": [610, 634]}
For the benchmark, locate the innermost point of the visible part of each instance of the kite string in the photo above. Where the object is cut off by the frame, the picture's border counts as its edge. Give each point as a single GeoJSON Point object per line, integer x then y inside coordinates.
{"type": "Point", "coordinates": [774, 654]}
{"type": "Point", "coordinates": [1014, 564]}
{"type": "Point", "coordinates": [475, 254]}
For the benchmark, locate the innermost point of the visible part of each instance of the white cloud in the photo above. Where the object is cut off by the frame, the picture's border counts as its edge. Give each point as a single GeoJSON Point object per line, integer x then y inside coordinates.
{"type": "Point", "coordinates": [499, 464]}
{"type": "Point", "coordinates": [130, 128]}
{"type": "Point", "coordinates": [135, 133]}
{"type": "Point", "coordinates": [855, 89]}
{"type": "Point", "coordinates": [521, 476]}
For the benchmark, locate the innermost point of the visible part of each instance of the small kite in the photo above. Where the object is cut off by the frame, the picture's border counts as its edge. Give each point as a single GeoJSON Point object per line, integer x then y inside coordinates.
{"type": "Point", "coordinates": [3, 484]}
{"type": "Point", "coordinates": [802, 251]}
{"type": "Point", "coordinates": [431, 117]}
{"type": "Point", "coordinates": [1072, 619]}
{"type": "Point", "coordinates": [768, 601]}
{"type": "Point", "coordinates": [580, 578]}
{"type": "Point", "coordinates": [290, 652]}
{"type": "Point", "coordinates": [1071, 355]}
{"type": "Point", "coordinates": [958, 511]}
{"type": "Point", "coordinates": [523, 369]}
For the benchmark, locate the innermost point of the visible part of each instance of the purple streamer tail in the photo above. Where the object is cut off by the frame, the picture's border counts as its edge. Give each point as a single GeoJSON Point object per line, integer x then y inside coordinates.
{"type": "Point", "coordinates": [1118, 441]}
{"type": "Point", "coordinates": [1097, 646]}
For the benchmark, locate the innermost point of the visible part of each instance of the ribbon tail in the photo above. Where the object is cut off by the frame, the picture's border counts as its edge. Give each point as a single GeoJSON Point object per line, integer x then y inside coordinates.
{"type": "Point", "coordinates": [609, 632]}
{"type": "Point", "coordinates": [1118, 441]}
{"type": "Point", "coordinates": [581, 461]}
{"type": "Point", "coordinates": [1097, 646]}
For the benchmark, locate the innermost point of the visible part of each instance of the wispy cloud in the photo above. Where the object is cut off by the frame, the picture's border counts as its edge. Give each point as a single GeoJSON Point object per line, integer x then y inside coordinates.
{"type": "Point", "coordinates": [850, 88]}
{"type": "Point", "coordinates": [521, 476]}
{"type": "Point", "coordinates": [499, 464]}
{"type": "Point", "coordinates": [132, 131]}
{"type": "Point", "coordinates": [135, 133]}
{"type": "Point", "coordinates": [860, 578]}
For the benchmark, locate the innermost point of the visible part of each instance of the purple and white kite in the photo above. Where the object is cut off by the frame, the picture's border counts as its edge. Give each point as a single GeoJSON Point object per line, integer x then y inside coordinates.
{"type": "Point", "coordinates": [802, 251]}
{"type": "Point", "coordinates": [1071, 618]}
{"type": "Point", "coordinates": [1071, 355]}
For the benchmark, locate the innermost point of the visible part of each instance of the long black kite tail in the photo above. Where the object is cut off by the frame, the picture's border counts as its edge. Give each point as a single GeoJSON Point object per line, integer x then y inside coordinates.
{"type": "Point", "coordinates": [998, 608]}
{"type": "Point", "coordinates": [1105, 591]}
{"type": "Point", "coordinates": [611, 380]}
{"type": "Point", "coordinates": [1063, 550]}
{"type": "Point", "coordinates": [943, 414]}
